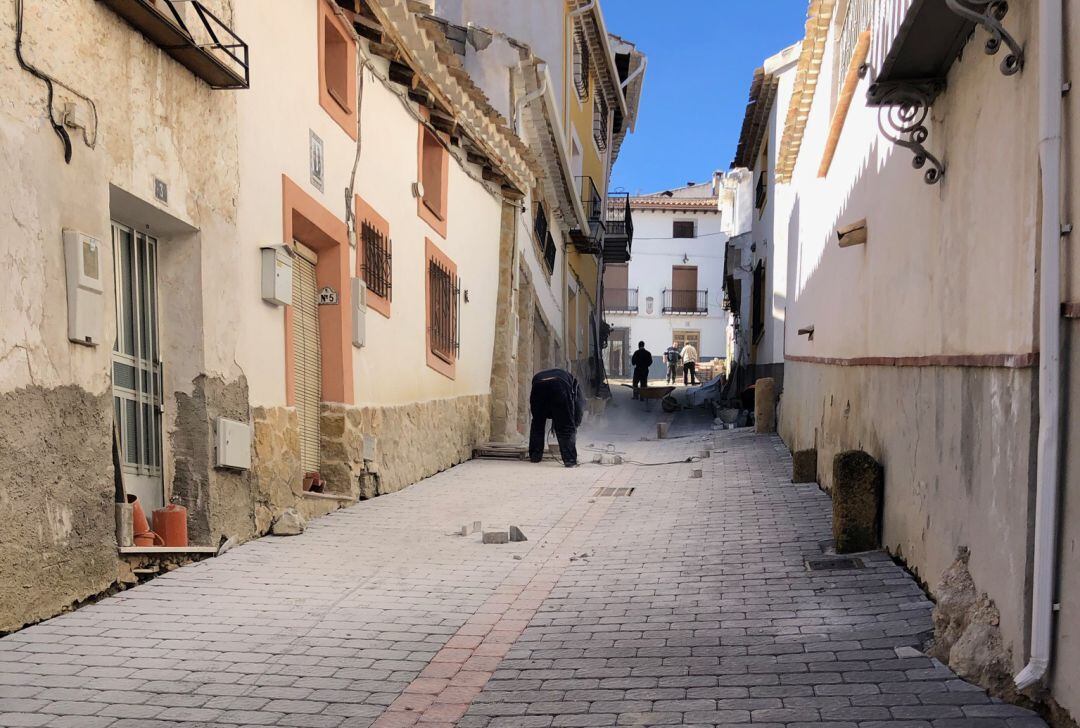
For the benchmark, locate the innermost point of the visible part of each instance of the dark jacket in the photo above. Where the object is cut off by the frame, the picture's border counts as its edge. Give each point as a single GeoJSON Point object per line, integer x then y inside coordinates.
{"type": "Point", "coordinates": [672, 355]}
{"type": "Point", "coordinates": [557, 394]}
{"type": "Point", "coordinates": [642, 359]}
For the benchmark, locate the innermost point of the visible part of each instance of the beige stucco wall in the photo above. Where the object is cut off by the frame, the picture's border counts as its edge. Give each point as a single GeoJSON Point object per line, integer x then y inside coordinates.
{"type": "Point", "coordinates": [948, 270]}
{"type": "Point", "coordinates": [278, 113]}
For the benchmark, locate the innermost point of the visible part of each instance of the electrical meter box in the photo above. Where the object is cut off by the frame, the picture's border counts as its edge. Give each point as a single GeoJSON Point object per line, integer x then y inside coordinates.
{"type": "Point", "coordinates": [85, 292]}
{"type": "Point", "coordinates": [233, 444]}
{"type": "Point", "coordinates": [277, 270]}
{"type": "Point", "coordinates": [359, 311]}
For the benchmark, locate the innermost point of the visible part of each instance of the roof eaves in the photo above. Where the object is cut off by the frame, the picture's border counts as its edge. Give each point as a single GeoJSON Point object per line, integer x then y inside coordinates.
{"type": "Point", "coordinates": [818, 18]}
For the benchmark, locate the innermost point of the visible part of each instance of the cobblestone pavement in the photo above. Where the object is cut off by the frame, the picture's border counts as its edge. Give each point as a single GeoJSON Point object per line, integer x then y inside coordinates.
{"type": "Point", "coordinates": [687, 603]}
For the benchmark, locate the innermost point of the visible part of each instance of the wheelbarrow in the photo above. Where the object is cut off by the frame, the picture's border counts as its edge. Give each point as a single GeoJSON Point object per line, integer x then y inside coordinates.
{"type": "Point", "coordinates": [648, 394]}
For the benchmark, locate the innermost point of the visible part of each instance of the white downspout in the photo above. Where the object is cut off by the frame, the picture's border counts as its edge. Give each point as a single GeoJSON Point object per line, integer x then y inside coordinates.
{"type": "Point", "coordinates": [529, 98]}
{"type": "Point", "coordinates": [1047, 481]}
{"type": "Point", "coordinates": [583, 9]}
{"type": "Point", "coordinates": [637, 72]}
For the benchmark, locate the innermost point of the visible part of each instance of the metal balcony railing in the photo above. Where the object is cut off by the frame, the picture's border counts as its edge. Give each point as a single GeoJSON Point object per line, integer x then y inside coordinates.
{"type": "Point", "coordinates": [618, 220]}
{"type": "Point", "coordinates": [591, 199]}
{"type": "Point", "coordinates": [620, 300]}
{"type": "Point", "coordinates": [193, 36]}
{"type": "Point", "coordinates": [590, 240]}
{"type": "Point", "coordinates": [685, 301]}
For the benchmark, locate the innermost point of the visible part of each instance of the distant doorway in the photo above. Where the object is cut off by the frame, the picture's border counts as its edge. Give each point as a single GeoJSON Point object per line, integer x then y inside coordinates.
{"type": "Point", "coordinates": [618, 353]}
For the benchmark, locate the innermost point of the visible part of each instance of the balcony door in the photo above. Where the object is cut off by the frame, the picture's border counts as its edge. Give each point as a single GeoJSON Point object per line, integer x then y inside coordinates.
{"type": "Point", "coordinates": [616, 286]}
{"type": "Point", "coordinates": [136, 360]}
{"type": "Point", "coordinates": [684, 287]}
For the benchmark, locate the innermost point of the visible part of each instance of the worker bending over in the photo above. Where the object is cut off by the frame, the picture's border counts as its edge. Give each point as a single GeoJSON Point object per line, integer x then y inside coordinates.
{"type": "Point", "coordinates": [556, 396]}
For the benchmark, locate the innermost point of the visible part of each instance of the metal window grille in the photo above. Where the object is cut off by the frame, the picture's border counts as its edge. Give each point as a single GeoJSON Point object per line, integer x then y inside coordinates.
{"type": "Point", "coordinates": [377, 262]}
{"type": "Point", "coordinates": [549, 253]}
{"type": "Point", "coordinates": [443, 311]}
{"type": "Point", "coordinates": [600, 116]}
{"type": "Point", "coordinates": [758, 301]}
{"type": "Point", "coordinates": [761, 193]}
{"type": "Point", "coordinates": [582, 61]}
{"type": "Point", "coordinates": [540, 225]}
{"type": "Point", "coordinates": [859, 17]}
{"type": "Point", "coordinates": [682, 229]}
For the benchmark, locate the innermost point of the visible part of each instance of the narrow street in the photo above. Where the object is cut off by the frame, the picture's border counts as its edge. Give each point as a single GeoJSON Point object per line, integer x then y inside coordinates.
{"type": "Point", "coordinates": [687, 602]}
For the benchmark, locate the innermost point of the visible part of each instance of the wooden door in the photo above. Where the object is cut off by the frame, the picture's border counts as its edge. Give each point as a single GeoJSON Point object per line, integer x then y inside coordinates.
{"type": "Point", "coordinates": [307, 355]}
{"type": "Point", "coordinates": [684, 288]}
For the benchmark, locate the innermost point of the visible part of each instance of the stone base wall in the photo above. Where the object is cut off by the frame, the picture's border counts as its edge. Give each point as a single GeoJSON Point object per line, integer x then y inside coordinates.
{"type": "Point", "coordinates": [220, 502]}
{"type": "Point", "coordinates": [57, 522]}
{"type": "Point", "coordinates": [957, 446]}
{"type": "Point", "coordinates": [406, 442]}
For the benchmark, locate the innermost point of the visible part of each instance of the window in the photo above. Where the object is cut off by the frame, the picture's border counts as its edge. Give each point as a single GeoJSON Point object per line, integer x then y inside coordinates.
{"type": "Point", "coordinates": [549, 253]}
{"type": "Point", "coordinates": [376, 266]}
{"type": "Point", "coordinates": [582, 62]}
{"type": "Point", "coordinates": [337, 69]}
{"type": "Point", "coordinates": [543, 238]}
{"type": "Point", "coordinates": [443, 288]}
{"type": "Point", "coordinates": [761, 192]}
{"type": "Point", "coordinates": [374, 256]}
{"type": "Point", "coordinates": [434, 168]}
{"type": "Point", "coordinates": [758, 302]}
{"type": "Point", "coordinates": [600, 121]}
{"type": "Point", "coordinates": [540, 225]}
{"type": "Point", "coordinates": [683, 229]}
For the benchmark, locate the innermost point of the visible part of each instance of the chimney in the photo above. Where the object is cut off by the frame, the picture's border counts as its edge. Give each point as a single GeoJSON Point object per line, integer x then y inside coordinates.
{"type": "Point", "coordinates": [717, 177]}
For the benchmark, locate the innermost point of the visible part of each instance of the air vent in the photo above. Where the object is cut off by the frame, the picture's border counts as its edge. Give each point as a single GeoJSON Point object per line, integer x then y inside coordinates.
{"type": "Point", "coordinates": [833, 564]}
{"type": "Point", "coordinates": [606, 492]}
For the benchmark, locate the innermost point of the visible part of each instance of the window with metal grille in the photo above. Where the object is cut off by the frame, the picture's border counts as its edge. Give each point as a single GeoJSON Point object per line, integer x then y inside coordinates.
{"type": "Point", "coordinates": [761, 192]}
{"type": "Point", "coordinates": [377, 259]}
{"type": "Point", "coordinates": [540, 225]}
{"type": "Point", "coordinates": [549, 253]}
{"type": "Point", "coordinates": [582, 61]}
{"type": "Point", "coordinates": [683, 229]}
{"type": "Point", "coordinates": [758, 302]}
{"type": "Point", "coordinates": [442, 310]}
{"type": "Point", "coordinates": [600, 118]}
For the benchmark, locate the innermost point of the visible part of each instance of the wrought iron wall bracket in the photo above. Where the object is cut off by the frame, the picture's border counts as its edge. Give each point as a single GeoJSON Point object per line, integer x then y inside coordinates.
{"type": "Point", "coordinates": [989, 14]}
{"type": "Point", "coordinates": [902, 118]}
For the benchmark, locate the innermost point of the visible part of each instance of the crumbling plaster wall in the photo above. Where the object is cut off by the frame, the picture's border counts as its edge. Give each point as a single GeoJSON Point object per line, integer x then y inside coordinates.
{"type": "Point", "coordinates": [956, 446]}
{"type": "Point", "coordinates": [154, 119]}
{"type": "Point", "coordinates": [949, 270]}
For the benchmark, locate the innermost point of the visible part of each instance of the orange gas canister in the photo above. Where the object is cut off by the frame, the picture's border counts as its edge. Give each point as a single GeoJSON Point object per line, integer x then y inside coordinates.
{"type": "Point", "coordinates": [171, 523]}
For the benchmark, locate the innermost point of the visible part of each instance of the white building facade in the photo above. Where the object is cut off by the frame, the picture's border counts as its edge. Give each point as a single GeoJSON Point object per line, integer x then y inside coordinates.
{"type": "Point", "coordinates": [671, 290]}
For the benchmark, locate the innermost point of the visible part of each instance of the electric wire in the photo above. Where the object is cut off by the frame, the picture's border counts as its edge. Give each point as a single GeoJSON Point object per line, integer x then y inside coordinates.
{"type": "Point", "coordinates": [50, 81]}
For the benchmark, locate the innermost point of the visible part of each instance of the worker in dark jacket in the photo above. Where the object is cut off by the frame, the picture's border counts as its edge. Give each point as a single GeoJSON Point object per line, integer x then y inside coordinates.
{"type": "Point", "coordinates": [642, 360]}
{"type": "Point", "coordinates": [556, 396]}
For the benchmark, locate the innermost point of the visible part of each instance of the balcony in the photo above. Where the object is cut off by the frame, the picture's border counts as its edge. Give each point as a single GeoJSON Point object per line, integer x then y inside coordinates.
{"type": "Point", "coordinates": [619, 228]}
{"type": "Point", "coordinates": [620, 300]}
{"type": "Point", "coordinates": [685, 302]}
{"type": "Point", "coordinates": [192, 35]}
{"type": "Point", "coordinates": [590, 241]}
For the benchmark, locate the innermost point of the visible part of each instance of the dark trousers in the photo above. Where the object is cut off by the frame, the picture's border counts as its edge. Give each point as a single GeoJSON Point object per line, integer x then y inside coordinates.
{"type": "Point", "coordinates": [565, 433]}
{"type": "Point", "coordinates": [688, 374]}
{"type": "Point", "coordinates": [672, 373]}
{"type": "Point", "coordinates": [641, 378]}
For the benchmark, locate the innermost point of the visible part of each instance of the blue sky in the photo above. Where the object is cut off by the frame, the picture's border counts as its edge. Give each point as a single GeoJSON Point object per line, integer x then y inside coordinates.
{"type": "Point", "coordinates": [702, 56]}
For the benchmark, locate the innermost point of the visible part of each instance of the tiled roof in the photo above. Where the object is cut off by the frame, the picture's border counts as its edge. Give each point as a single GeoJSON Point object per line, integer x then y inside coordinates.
{"type": "Point", "coordinates": [675, 203]}
{"type": "Point", "coordinates": [818, 18]}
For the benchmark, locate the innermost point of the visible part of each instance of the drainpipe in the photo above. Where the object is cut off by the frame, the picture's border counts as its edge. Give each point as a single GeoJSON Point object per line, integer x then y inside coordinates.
{"type": "Point", "coordinates": [637, 72]}
{"type": "Point", "coordinates": [529, 98]}
{"type": "Point", "coordinates": [584, 9]}
{"type": "Point", "coordinates": [1047, 481]}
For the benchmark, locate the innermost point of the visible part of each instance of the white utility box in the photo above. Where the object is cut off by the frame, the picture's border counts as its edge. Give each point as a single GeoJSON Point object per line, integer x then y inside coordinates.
{"type": "Point", "coordinates": [359, 312]}
{"type": "Point", "coordinates": [277, 269]}
{"type": "Point", "coordinates": [85, 293]}
{"type": "Point", "coordinates": [233, 444]}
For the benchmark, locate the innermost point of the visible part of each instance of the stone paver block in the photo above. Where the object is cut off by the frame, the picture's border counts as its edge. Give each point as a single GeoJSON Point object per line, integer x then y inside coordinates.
{"type": "Point", "coordinates": [858, 481]}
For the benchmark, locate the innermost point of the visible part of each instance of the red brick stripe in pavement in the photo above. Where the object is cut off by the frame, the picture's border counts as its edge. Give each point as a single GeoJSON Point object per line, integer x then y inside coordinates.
{"type": "Point", "coordinates": [455, 676]}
